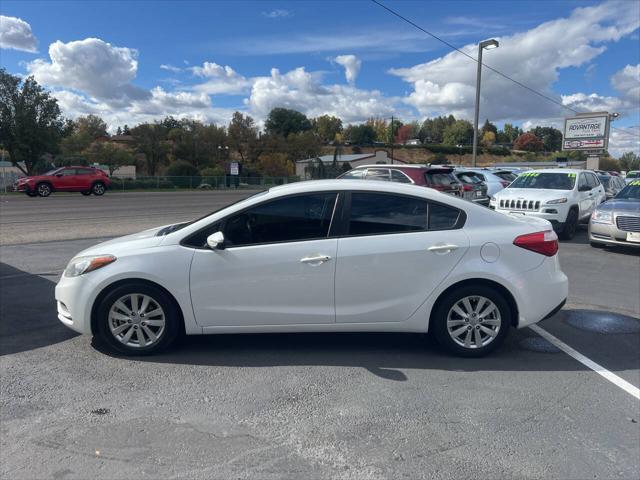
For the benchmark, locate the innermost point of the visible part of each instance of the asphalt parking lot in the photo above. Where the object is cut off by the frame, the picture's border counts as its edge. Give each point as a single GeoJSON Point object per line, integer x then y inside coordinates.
{"type": "Point", "coordinates": [347, 406]}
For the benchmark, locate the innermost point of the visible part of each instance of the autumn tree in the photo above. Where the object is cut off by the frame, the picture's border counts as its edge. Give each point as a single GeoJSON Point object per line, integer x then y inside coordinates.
{"type": "Point", "coordinates": [488, 127]}
{"type": "Point", "coordinates": [380, 127]}
{"type": "Point", "coordinates": [275, 165]}
{"type": "Point", "coordinates": [488, 138]}
{"type": "Point", "coordinates": [30, 121]}
{"type": "Point", "coordinates": [528, 142]}
{"type": "Point", "coordinates": [551, 138]}
{"type": "Point", "coordinates": [403, 134]}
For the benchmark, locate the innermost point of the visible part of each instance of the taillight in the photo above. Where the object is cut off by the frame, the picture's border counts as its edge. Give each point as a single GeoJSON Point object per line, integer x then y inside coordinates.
{"type": "Point", "coordinates": [545, 243]}
{"type": "Point", "coordinates": [467, 188]}
{"type": "Point", "coordinates": [505, 183]}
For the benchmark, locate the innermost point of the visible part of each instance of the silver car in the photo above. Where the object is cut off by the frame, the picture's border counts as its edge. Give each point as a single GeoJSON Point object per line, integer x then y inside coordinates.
{"type": "Point", "coordinates": [617, 221]}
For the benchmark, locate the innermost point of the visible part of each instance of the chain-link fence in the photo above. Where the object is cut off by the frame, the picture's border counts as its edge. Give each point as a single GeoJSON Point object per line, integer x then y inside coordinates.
{"type": "Point", "coordinates": [197, 183]}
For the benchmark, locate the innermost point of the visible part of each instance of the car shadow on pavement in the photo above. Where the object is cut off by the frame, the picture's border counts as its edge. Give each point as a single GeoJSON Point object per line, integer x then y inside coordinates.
{"type": "Point", "coordinates": [386, 355]}
{"type": "Point", "coordinates": [28, 317]}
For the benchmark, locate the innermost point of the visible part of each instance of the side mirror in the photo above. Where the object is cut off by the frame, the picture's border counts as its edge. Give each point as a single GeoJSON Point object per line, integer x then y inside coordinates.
{"type": "Point", "coordinates": [215, 241]}
{"type": "Point", "coordinates": [58, 175]}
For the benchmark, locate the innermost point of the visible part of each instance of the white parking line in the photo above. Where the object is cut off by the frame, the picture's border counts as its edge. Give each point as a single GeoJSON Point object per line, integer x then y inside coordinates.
{"type": "Point", "coordinates": [599, 369]}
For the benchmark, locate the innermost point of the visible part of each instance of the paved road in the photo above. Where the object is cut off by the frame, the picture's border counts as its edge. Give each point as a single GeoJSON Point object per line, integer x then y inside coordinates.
{"type": "Point", "coordinates": [70, 216]}
{"type": "Point", "coordinates": [349, 406]}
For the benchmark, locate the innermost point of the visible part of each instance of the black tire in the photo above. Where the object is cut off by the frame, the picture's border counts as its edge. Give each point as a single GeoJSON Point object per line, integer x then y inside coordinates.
{"type": "Point", "coordinates": [570, 225]}
{"type": "Point", "coordinates": [98, 188]}
{"type": "Point", "coordinates": [172, 317]}
{"type": "Point", "coordinates": [596, 244]}
{"type": "Point", "coordinates": [43, 189]}
{"type": "Point", "coordinates": [439, 319]}
{"type": "Point", "coordinates": [31, 194]}
{"type": "Point", "coordinates": [86, 193]}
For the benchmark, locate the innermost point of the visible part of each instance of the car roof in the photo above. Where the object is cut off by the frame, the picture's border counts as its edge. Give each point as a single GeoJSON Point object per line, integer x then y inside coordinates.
{"type": "Point", "coordinates": [346, 184]}
{"type": "Point", "coordinates": [393, 165]}
{"type": "Point", "coordinates": [559, 170]}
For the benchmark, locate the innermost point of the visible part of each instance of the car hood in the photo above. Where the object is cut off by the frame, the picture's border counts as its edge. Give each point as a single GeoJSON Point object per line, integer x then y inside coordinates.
{"type": "Point", "coordinates": [621, 205]}
{"type": "Point", "coordinates": [128, 243]}
{"type": "Point", "coordinates": [541, 194]}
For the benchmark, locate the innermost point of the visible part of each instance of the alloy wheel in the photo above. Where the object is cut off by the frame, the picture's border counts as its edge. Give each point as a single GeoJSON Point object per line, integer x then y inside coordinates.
{"type": "Point", "coordinates": [44, 190]}
{"type": "Point", "coordinates": [473, 322]}
{"type": "Point", "coordinates": [136, 320]}
{"type": "Point", "coordinates": [98, 189]}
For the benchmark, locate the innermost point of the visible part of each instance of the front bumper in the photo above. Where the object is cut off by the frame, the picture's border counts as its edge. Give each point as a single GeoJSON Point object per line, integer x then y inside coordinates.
{"type": "Point", "coordinates": [74, 299]}
{"type": "Point", "coordinates": [609, 233]}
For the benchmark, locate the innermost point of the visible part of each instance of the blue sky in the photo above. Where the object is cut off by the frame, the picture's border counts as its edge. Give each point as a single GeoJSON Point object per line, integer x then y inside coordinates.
{"type": "Point", "coordinates": [106, 57]}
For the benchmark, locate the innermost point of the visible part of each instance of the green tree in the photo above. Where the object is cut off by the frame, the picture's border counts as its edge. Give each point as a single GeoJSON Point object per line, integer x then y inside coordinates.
{"type": "Point", "coordinates": [488, 127]}
{"type": "Point", "coordinates": [360, 134]}
{"type": "Point", "coordinates": [193, 141]}
{"type": "Point", "coordinates": [551, 138]}
{"type": "Point", "coordinates": [151, 141]}
{"type": "Point", "coordinates": [458, 133]}
{"type": "Point", "coordinates": [110, 154]}
{"type": "Point", "coordinates": [283, 121]}
{"type": "Point", "coordinates": [510, 133]}
{"type": "Point", "coordinates": [242, 135]}
{"type": "Point", "coordinates": [30, 121]}
{"type": "Point", "coordinates": [276, 165]}
{"type": "Point", "coordinates": [303, 145]}
{"type": "Point", "coordinates": [327, 127]}
{"type": "Point", "coordinates": [92, 125]}
{"type": "Point", "coordinates": [432, 130]}
{"type": "Point", "coordinates": [629, 161]}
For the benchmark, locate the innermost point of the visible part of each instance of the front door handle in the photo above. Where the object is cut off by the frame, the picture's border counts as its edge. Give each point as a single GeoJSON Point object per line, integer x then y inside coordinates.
{"type": "Point", "coordinates": [316, 260]}
{"type": "Point", "coordinates": [442, 248]}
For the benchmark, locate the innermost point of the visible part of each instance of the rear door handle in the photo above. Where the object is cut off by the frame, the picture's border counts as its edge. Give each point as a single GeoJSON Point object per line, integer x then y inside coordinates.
{"type": "Point", "coordinates": [442, 248]}
{"type": "Point", "coordinates": [316, 260]}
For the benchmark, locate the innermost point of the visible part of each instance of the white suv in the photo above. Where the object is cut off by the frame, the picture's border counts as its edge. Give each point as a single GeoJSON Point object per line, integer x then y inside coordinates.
{"type": "Point", "coordinates": [562, 196]}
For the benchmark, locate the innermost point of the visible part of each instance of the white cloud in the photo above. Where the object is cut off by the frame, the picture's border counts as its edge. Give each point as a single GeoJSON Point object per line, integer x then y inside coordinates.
{"type": "Point", "coordinates": [302, 91]}
{"type": "Point", "coordinates": [278, 13]}
{"type": "Point", "coordinates": [534, 57]}
{"type": "Point", "coordinates": [627, 82]}
{"type": "Point", "coordinates": [16, 33]}
{"type": "Point", "coordinates": [170, 68]}
{"type": "Point", "coordinates": [220, 79]}
{"type": "Point", "coordinates": [92, 66]}
{"type": "Point", "coordinates": [624, 140]}
{"type": "Point", "coordinates": [351, 66]}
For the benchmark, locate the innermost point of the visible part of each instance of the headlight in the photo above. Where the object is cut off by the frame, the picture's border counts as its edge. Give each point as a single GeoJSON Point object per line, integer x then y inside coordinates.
{"type": "Point", "coordinates": [557, 201]}
{"type": "Point", "coordinates": [493, 200]}
{"type": "Point", "coordinates": [602, 216]}
{"type": "Point", "coordinates": [80, 265]}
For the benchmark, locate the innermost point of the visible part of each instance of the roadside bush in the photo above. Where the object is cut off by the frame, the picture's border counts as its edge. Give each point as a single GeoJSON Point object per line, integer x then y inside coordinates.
{"type": "Point", "coordinates": [183, 175]}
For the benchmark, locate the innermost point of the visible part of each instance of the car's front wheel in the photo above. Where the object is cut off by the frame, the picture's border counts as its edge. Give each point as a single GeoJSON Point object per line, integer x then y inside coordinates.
{"type": "Point", "coordinates": [137, 319]}
{"type": "Point", "coordinates": [570, 225]}
{"type": "Point", "coordinates": [44, 189]}
{"type": "Point", "coordinates": [31, 194]}
{"type": "Point", "coordinates": [471, 321]}
{"type": "Point", "coordinates": [86, 193]}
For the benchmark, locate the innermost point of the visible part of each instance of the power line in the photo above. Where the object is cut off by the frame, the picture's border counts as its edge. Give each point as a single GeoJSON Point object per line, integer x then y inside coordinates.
{"type": "Point", "coordinates": [453, 47]}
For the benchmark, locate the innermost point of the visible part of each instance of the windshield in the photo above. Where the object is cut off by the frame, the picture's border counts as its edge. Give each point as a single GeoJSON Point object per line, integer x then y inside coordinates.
{"type": "Point", "coordinates": [633, 175]}
{"type": "Point", "coordinates": [547, 181]}
{"type": "Point", "coordinates": [630, 192]}
{"type": "Point", "coordinates": [177, 226]}
{"type": "Point", "coordinates": [604, 180]}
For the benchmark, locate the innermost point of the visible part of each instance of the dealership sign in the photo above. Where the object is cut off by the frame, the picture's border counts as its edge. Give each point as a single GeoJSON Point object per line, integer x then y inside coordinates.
{"type": "Point", "coordinates": [586, 132]}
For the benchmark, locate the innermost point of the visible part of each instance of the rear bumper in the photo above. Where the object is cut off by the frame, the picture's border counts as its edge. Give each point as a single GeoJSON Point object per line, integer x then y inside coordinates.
{"type": "Point", "coordinates": [540, 293]}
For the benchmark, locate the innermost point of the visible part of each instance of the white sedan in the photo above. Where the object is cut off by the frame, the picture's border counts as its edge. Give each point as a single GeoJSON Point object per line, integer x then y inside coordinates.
{"type": "Point", "coordinates": [321, 256]}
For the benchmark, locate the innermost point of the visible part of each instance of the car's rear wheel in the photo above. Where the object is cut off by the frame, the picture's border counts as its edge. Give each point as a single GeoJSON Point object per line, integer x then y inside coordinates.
{"type": "Point", "coordinates": [137, 319]}
{"type": "Point", "coordinates": [86, 193]}
{"type": "Point", "coordinates": [472, 321]}
{"type": "Point", "coordinates": [43, 189]}
{"type": "Point", "coordinates": [570, 225]}
{"type": "Point", "coordinates": [98, 188]}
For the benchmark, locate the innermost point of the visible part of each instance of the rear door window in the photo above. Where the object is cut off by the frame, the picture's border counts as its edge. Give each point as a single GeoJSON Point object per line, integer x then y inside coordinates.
{"type": "Point", "coordinates": [67, 172]}
{"type": "Point", "coordinates": [378, 213]}
{"type": "Point", "coordinates": [442, 217]}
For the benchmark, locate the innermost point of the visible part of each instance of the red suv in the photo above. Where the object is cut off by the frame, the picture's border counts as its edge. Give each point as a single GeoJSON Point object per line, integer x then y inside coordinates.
{"type": "Point", "coordinates": [86, 180]}
{"type": "Point", "coordinates": [436, 177]}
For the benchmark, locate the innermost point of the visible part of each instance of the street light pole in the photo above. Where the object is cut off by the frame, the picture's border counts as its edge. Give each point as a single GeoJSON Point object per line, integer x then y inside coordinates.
{"type": "Point", "coordinates": [488, 44]}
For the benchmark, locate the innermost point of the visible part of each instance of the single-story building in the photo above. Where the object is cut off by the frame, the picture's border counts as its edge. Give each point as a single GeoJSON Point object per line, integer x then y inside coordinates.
{"type": "Point", "coordinates": [354, 160]}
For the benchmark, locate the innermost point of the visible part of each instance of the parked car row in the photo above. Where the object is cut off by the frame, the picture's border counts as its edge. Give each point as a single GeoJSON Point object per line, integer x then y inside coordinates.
{"type": "Point", "coordinates": [86, 180]}
{"type": "Point", "coordinates": [617, 221]}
